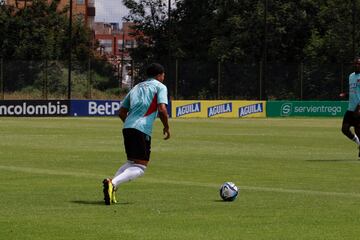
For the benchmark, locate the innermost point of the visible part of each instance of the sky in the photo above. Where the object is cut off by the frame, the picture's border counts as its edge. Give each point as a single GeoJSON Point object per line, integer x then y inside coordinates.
{"type": "Point", "coordinates": [110, 11]}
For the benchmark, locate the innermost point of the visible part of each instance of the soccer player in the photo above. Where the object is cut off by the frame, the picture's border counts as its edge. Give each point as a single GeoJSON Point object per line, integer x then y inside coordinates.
{"type": "Point", "coordinates": [138, 111]}
{"type": "Point", "coordinates": [352, 115]}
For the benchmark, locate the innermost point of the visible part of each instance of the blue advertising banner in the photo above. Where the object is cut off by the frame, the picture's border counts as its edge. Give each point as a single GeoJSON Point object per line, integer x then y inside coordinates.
{"type": "Point", "coordinates": [87, 108]}
{"type": "Point", "coordinates": [34, 108]}
{"type": "Point", "coordinates": [99, 108]}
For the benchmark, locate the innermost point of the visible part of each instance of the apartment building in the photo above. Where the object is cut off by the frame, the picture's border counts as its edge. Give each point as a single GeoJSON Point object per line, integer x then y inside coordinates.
{"type": "Point", "coordinates": [82, 9]}
{"type": "Point", "coordinates": [114, 41]}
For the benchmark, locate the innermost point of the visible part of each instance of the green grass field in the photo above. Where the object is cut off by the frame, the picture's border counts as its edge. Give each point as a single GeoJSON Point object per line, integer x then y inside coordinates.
{"type": "Point", "coordinates": [298, 179]}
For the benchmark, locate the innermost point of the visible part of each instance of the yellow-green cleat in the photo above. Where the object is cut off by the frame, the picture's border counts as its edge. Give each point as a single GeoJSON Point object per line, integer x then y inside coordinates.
{"type": "Point", "coordinates": [108, 190]}
{"type": "Point", "coordinates": [113, 199]}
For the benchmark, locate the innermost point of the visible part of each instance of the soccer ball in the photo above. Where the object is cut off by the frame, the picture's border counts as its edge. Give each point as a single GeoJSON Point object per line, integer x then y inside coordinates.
{"type": "Point", "coordinates": [228, 191]}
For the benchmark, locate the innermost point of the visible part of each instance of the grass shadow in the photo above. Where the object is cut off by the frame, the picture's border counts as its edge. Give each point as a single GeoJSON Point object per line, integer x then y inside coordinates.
{"type": "Point", "coordinates": [333, 160]}
{"type": "Point", "coordinates": [222, 201]}
{"type": "Point", "coordinates": [84, 202]}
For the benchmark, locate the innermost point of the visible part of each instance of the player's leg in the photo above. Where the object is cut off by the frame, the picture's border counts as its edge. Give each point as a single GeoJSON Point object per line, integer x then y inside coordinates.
{"type": "Point", "coordinates": [109, 189]}
{"type": "Point", "coordinates": [346, 125]}
{"type": "Point", "coordinates": [347, 132]}
{"type": "Point", "coordinates": [349, 121]}
{"type": "Point", "coordinates": [137, 146]}
{"type": "Point", "coordinates": [123, 168]}
{"type": "Point", "coordinates": [357, 133]}
{"type": "Point", "coordinates": [132, 172]}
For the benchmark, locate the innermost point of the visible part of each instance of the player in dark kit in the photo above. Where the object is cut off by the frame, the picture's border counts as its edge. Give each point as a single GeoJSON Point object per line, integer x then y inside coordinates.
{"type": "Point", "coordinates": [352, 115]}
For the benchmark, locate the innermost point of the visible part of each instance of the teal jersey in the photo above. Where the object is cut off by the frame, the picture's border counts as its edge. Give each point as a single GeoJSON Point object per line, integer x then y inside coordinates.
{"type": "Point", "coordinates": [142, 102]}
{"type": "Point", "coordinates": [354, 91]}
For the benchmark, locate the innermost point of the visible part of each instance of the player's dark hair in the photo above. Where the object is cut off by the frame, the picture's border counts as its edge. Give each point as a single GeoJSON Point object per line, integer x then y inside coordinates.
{"type": "Point", "coordinates": [154, 69]}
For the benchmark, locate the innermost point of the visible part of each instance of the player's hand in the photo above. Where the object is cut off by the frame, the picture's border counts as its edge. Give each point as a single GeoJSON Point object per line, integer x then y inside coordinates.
{"type": "Point", "coordinates": [166, 132]}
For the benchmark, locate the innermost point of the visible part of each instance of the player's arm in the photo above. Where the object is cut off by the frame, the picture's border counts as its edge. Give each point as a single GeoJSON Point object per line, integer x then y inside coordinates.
{"type": "Point", "coordinates": [124, 108]}
{"type": "Point", "coordinates": [357, 109]}
{"type": "Point", "coordinates": [164, 117]}
{"type": "Point", "coordinates": [123, 112]}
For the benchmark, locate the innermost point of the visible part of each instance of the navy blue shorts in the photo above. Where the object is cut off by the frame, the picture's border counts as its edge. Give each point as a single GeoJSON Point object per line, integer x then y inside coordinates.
{"type": "Point", "coordinates": [137, 144]}
{"type": "Point", "coordinates": [351, 119]}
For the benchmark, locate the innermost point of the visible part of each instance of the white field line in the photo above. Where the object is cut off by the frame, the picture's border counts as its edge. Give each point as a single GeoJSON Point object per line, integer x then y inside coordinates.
{"type": "Point", "coordinates": [173, 182]}
{"type": "Point", "coordinates": [42, 171]}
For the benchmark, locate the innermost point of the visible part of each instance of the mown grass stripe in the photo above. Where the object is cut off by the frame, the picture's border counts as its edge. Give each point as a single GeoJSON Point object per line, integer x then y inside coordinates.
{"type": "Point", "coordinates": [174, 182]}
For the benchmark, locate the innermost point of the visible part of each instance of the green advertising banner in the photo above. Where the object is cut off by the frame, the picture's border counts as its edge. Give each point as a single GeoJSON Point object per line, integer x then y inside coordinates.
{"type": "Point", "coordinates": [306, 108]}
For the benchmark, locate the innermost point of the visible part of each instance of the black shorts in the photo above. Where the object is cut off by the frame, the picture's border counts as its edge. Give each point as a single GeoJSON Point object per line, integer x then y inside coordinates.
{"type": "Point", "coordinates": [351, 119]}
{"type": "Point", "coordinates": [137, 144]}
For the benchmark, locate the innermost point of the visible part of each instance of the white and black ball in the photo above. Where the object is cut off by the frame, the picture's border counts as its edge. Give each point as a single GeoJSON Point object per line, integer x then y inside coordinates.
{"type": "Point", "coordinates": [229, 191]}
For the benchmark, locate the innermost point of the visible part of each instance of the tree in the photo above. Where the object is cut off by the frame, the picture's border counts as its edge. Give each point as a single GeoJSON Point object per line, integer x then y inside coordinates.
{"type": "Point", "coordinates": [150, 18]}
{"type": "Point", "coordinates": [332, 32]}
{"type": "Point", "coordinates": [40, 31]}
{"type": "Point", "coordinates": [31, 38]}
{"type": "Point", "coordinates": [302, 35]}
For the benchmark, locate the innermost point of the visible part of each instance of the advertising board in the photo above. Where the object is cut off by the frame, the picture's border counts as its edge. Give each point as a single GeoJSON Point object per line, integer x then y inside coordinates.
{"type": "Point", "coordinates": [34, 108]}
{"type": "Point", "coordinates": [306, 108]}
{"type": "Point", "coordinates": [218, 109]}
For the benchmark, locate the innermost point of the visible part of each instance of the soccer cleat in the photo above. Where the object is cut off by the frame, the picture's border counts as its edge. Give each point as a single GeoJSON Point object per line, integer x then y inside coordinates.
{"type": "Point", "coordinates": [113, 199]}
{"type": "Point", "coordinates": [108, 191]}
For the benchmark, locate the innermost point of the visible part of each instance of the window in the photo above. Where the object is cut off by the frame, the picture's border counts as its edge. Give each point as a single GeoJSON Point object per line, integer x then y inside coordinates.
{"type": "Point", "coordinates": [106, 44]}
{"type": "Point", "coordinates": [128, 43]}
{"type": "Point", "coordinates": [79, 2]}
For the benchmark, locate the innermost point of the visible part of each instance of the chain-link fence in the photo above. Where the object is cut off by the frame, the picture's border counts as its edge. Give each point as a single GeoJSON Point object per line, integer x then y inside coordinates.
{"type": "Point", "coordinates": [291, 81]}
{"type": "Point", "coordinates": [47, 79]}
{"type": "Point", "coordinates": [185, 80]}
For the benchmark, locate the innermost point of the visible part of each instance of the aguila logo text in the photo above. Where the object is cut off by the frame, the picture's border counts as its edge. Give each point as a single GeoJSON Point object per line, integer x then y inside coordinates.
{"type": "Point", "coordinates": [219, 109]}
{"type": "Point", "coordinates": [187, 109]}
{"type": "Point", "coordinates": [251, 109]}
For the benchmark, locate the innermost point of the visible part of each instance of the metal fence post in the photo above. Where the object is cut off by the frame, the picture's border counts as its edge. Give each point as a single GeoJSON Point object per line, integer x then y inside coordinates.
{"type": "Point", "coordinates": [176, 77]}
{"type": "Point", "coordinates": [2, 78]}
{"type": "Point", "coordinates": [219, 80]}
{"type": "Point", "coordinates": [88, 94]}
{"type": "Point", "coordinates": [342, 78]}
{"type": "Point", "coordinates": [260, 79]}
{"type": "Point", "coordinates": [301, 80]}
{"type": "Point", "coordinates": [45, 82]}
{"type": "Point", "coordinates": [70, 49]}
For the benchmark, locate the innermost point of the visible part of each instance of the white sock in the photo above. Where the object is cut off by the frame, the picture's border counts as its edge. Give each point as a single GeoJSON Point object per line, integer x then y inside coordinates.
{"type": "Point", "coordinates": [128, 173]}
{"type": "Point", "coordinates": [123, 167]}
{"type": "Point", "coordinates": [356, 139]}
